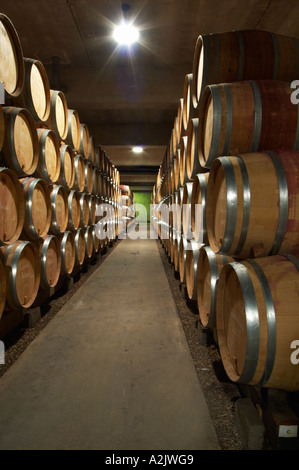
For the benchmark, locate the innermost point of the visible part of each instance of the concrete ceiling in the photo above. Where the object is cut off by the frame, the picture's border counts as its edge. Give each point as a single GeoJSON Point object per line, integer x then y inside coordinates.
{"type": "Point", "coordinates": [131, 97]}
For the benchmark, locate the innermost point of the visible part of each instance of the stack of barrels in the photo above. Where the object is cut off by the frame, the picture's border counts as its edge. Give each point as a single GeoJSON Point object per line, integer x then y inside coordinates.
{"type": "Point", "coordinates": [234, 150]}
{"type": "Point", "coordinates": [53, 179]}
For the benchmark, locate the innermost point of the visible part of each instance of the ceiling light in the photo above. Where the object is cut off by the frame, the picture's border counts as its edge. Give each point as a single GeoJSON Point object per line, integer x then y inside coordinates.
{"type": "Point", "coordinates": [126, 34]}
{"type": "Point", "coordinates": [137, 149]}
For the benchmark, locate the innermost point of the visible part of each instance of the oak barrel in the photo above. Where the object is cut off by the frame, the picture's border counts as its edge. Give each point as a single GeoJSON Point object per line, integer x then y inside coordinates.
{"type": "Point", "coordinates": [12, 209]}
{"type": "Point", "coordinates": [73, 129]}
{"type": "Point", "coordinates": [92, 156]}
{"type": "Point", "coordinates": [80, 246]}
{"type": "Point", "coordinates": [183, 156]}
{"type": "Point", "coordinates": [96, 240]}
{"type": "Point", "coordinates": [35, 95]}
{"type": "Point", "coordinates": [95, 182]}
{"type": "Point", "coordinates": [252, 201]}
{"type": "Point", "coordinates": [59, 209]}
{"type": "Point", "coordinates": [11, 58]}
{"type": "Point", "coordinates": [79, 180]}
{"type": "Point", "coordinates": [209, 267]}
{"type": "Point", "coordinates": [92, 205]}
{"type": "Point", "coordinates": [58, 118]}
{"type": "Point", "coordinates": [246, 116]}
{"type": "Point", "coordinates": [193, 166]}
{"type": "Point", "coordinates": [191, 268]}
{"type": "Point", "coordinates": [198, 207]}
{"type": "Point", "coordinates": [257, 321]}
{"type": "Point", "coordinates": [84, 209]}
{"type": "Point", "coordinates": [84, 140]}
{"type": "Point", "coordinates": [89, 242]}
{"type": "Point", "coordinates": [88, 185]}
{"type": "Point", "coordinates": [189, 112]}
{"type": "Point", "coordinates": [74, 210]}
{"type": "Point", "coordinates": [37, 208]}
{"type": "Point", "coordinates": [48, 166]}
{"type": "Point", "coordinates": [50, 260]}
{"type": "Point", "coordinates": [20, 148]}
{"type": "Point", "coordinates": [22, 268]}
{"type": "Point", "coordinates": [184, 246]}
{"type": "Point", "coordinates": [186, 210]}
{"type": "Point", "coordinates": [67, 166]}
{"type": "Point", "coordinates": [67, 249]}
{"type": "Point", "coordinates": [242, 55]}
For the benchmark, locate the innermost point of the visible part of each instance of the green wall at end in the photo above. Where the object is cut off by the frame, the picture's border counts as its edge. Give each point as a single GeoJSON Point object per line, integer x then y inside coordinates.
{"type": "Point", "coordinates": [143, 198]}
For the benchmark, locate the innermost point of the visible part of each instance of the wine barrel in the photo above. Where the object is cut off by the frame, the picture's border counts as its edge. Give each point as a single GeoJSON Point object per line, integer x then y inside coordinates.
{"type": "Point", "coordinates": [193, 166]}
{"type": "Point", "coordinates": [198, 207]}
{"type": "Point", "coordinates": [92, 156]}
{"type": "Point", "coordinates": [11, 54]}
{"type": "Point", "coordinates": [79, 180]}
{"type": "Point", "coordinates": [186, 210]}
{"type": "Point", "coordinates": [84, 140]}
{"type": "Point", "coordinates": [58, 118]}
{"type": "Point", "coordinates": [35, 95]}
{"type": "Point", "coordinates": [191, 268]}
{"type": "Point", "coordinates": [12, 208]}
{"type": "Point", "coordinates": [95, 182]}
{"type": "Point", "coordinates": [73, 129]}
{"type": "Point", "coordinates": [88, 185]}
{"type": "Point", "coordinates": [80, 246]}
{"type": "Point", "coordinates": [50, 260]}
{"type": "Point", "coordinates": [184, 246]}
{"type": "Point", "coordinates": [74, 210]}
{"type": "Point", "coordinates": [177, 162]}
{"type": "Point", "coordinates": [176, 252]}
{"type": "Point", "coordinates": [209, 267]}
{"type": "Point", "coordinates": [245, 117]}
{"type": "Point", "coordinates": [48, 166]}
{"type": "Point", "coordinates": [84, 209]}
{"type": "Point", "coordinates": [92, 206]}
{"type": "Point", "coordinates": [96, 240]}
{"type": "Point", "coordinates": [189, 112]}
{"type": "Point", "coordinates": [67, 249]}
{"type": "Point", "coordinates": [37, 208]}
{"type": "Point", "coordinates": [251, 202]}
{"type": "Point", "coordinates": [183, 154]}
{"type": "Point", "coordinates": [179, 124]}
{"type": "Point", "coordinates": [257, 321]}
{"type": "Point", "coordinates": [2, 288]}
{"type": "Point", "coordinates": [242, 55]}
{"type": "Point", "coordinates": [22, 268]}
{"type": "Point", "coordinates": [59, 209]}
{"type": "Point", "coordinates": [89, 242]}
{"type": "Point", "coordinates": [67, 166]}
{"type": "Point", "coordinates": [20, 148]}
{"type": "Point", "coordinates": [179, 212]}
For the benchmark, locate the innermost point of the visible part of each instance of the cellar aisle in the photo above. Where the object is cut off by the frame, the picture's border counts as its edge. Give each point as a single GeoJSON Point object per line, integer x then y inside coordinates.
{"type": "Point", "coordinates": [112, 370]}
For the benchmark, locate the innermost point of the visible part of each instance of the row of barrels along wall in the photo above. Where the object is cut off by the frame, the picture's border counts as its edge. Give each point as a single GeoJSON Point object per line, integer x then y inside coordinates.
{"type": "Point", "coordinates": [234, 148]}
{"type": "Point", "coordinates": [53, 178]}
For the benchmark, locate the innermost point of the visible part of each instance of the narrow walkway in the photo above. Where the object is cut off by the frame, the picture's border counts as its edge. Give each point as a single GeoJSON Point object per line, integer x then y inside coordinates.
{"type": "Point", "coordinates": [111, 371]}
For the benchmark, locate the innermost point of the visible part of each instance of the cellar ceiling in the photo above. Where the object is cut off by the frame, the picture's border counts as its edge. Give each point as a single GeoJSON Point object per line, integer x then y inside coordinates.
{"type": "Point", "coordinates": [130, 96]}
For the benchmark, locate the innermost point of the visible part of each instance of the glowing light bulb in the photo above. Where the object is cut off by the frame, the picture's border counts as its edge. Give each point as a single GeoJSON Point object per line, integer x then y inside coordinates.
{"type": "Point", "coordinates": [126, 34]}
{"type": "Point", "coordinates": [137, 149]}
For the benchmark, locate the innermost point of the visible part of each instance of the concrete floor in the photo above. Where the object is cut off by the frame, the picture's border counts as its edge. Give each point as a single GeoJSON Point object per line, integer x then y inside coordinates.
{"type": "Point", "coordinates": [111, 371]}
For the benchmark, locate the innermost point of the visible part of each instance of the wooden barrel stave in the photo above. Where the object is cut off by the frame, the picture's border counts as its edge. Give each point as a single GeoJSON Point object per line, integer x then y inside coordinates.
{"type": "Point", "coordinates": [257, 320]}
{"type": "Point", "coordinates": [12, 206]}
